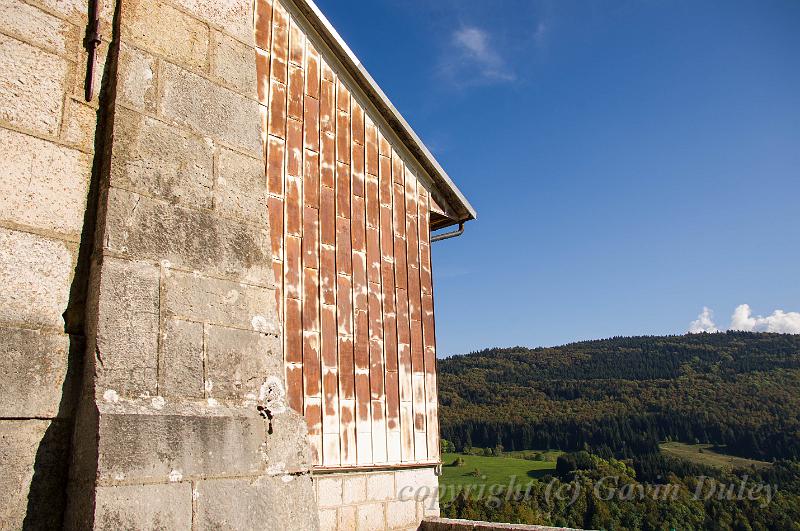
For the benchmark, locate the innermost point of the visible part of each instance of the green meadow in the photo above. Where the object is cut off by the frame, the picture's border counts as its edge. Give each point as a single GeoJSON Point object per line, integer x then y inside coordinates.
{"type": "Point", "coordinates": [707, 454]}
{"type": "Point", "coordinates": [491, 471]}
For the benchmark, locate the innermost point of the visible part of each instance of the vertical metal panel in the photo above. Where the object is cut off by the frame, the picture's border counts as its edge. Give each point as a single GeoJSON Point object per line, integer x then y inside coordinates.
{"type": "Point", "coordinates": [263, 23]}
{"type": "Point", "coordinates": [428, 332]}
{"type": "Point", "coordinates": [312, 361]}
{"type": "Point", "coordinates": [391, 380]}
{"type": "Point", "coordinates": [280, 42]}
{"type": "Point", "coordinates": [361, 345]}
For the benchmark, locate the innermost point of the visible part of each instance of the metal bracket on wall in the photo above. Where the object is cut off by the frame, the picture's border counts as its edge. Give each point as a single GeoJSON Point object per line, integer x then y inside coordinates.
{"type": "Point", "coordinates": [91, 42]}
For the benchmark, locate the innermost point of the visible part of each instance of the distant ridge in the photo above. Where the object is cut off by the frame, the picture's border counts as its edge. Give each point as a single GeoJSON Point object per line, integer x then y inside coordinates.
{"type": "Point", "coordinates": [622, 395]}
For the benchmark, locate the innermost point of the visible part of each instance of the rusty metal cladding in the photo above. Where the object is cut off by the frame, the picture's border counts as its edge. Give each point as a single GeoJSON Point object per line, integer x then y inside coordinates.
{"type": "Point", "coordinates": [312, 71]}
{"type": "Point", "coordinates": [312, 376]}
{"type": "Point", "coordinates": [297, 44]}
{"type": "Point", "coordinates": [263, 23]}
{"type": "Point", "coordinates": [311, 179]}
{"type": "Point", "coordinates": [275, 166]}
{"type": "Point", "coordinates": [295, 92]}
{"type": "Point", "coordinates": [311, 237]}
{"type": "Point", "coordinates": [280, 43]}
{"type": "Point", "coordinates": [350, 238]}
{"type": "Point", "coordinates": [313, 414]}
{"type": "Point", "coordinates": [311, 123]}
{"type": "Point", "coordinates": [277, 109]}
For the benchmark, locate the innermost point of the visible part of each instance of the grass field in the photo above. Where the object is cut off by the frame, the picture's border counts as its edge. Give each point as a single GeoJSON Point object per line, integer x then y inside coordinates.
{"type": "Point", "coordinates": [493, 470]}
{"type": "Point", "coordinates": [705, 454]}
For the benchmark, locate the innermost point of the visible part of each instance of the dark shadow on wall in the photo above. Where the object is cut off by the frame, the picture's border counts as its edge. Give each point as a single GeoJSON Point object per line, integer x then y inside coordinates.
{"type": "Point", "coordinates": [46, 497]}
{"type": "Point", "coordinates": [71, 437]}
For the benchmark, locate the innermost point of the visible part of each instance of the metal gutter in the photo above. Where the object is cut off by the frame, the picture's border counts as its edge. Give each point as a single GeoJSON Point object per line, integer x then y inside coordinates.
{"type": "Point", "coordinates": [448, 235]}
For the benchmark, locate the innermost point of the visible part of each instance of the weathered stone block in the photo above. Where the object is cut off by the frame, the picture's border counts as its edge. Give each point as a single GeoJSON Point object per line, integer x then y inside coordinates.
{"type": "Point", "coordinates": [35, 275]}
{"type": "Point", "coordinates": [287, 447]}
{"type": "Point", "coordinates": [32, 86]}
{"type": "Point", "coordinates": [347, 517]}
{"type": "Point", "coordinates": [49, 32]}
{"type": "Point", "coordinates": [354, 489]}
{"type": "Point", "coordinates": [33, 372]}
{"type": "Point", "coordinates": [380, 487]}
{"type": "Point", "coordinates": [182, 360]}
{"type": "Point", "coordinates": [327, 520]}
{"type": "Point", "coordinates": [178, 441]}
{"type": "Point", "coordinates": [241, 190]}
{"type": "Point", "coordinates": [232, 16]}
{"type": "Point", "coordinates": [136, 81]}
{"type": "Point", "coordinates": [239, 361]}
{"type": "Point", "coordinates": [430, 507]}
{"type": "Point", "coordinates": [209, 109]}
{"type": "Point", "coordinates": [157, 159]}
{"type": "Point", "coordinates": [150, 229]}
{"type": "Point", "coordinates": [42, 185]}
{"type": "Point", "coordinates": [80, 123]}
{"type": "Point", "coordinates": [221, 302]}
{"type": "Point", "coordinates": [144, 507]}
{"type": "Point", "coordinates": [127, 328]}
{"type": "Point", "coordinates": [258, 503]}
{"type": "Point", "coordinates": [329, 491]}
{"type": "Point", "coordinates": [166, 31]}
{"type": "Point", "coordinates": [73, 9]}
{"type": "Point", "coordinates": [76, 10]}
{"type": "Point", "coordinates": [401, 513]}
{"type": "Point", "coordinates": [371, 517]}
{"type": "Point", "coordinates": [234, 63]}
{"type": "Point", "coordinates": [34, 472]}
{"type": "Point", "coordinates": [415, 484]}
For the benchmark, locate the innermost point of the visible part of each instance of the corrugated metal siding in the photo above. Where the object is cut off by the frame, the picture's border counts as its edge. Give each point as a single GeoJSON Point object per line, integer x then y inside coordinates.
{"type": "Point", "coordinates": [351, 252]}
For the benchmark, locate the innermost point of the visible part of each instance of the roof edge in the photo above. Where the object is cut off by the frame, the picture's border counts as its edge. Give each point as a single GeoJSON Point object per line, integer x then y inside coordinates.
{"type": "Point", "coordinates": [463, 210]}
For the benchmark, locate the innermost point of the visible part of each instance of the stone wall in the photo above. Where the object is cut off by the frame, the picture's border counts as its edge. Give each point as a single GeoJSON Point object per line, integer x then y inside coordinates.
{"type": "Point", "coordinates": [189, 424]}
{"type": "Point", "coordinates": [47, 134]}
{"type": "Point", "coordinates": [449, 524]}
{"type": "Point", "coordinates": [373, 501]}
{"type": "Point", "coordinates": [146, 248]}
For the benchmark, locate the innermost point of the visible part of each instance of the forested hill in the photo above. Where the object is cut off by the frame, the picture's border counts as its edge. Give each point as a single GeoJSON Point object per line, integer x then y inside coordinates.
{"type": "Point", "coordinates": [622, 396]}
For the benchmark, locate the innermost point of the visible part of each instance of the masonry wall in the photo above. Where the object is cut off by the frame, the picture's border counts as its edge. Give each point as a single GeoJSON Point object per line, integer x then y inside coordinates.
{"type": "Point", "coordinates": [189, 422]}
{"type": "Point", "coordinates": [47, 144]}
{"type": "Point", "coordinates": [376, 500]}
{"type": "Point", "coordinates": [136, 278]}
{"type": "Point", "coordinates": [351, 255]}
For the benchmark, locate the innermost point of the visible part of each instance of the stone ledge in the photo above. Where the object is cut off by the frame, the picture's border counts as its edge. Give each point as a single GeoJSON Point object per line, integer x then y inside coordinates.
{"type": "Point", "coordinates": [451, 524]}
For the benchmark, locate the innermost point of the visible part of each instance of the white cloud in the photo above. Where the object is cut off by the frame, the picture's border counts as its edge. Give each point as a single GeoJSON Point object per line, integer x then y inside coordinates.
{"type": "Point", "coordinates": [704, 323]}
{"type": "Point", "coordinates": [780, 322]}
{"type": "Point", "coordinates": [540, 34]}
{"type": "Point", "coordinates": [474, 51]}
{"type": "Point", "coordinates": [742, 319]}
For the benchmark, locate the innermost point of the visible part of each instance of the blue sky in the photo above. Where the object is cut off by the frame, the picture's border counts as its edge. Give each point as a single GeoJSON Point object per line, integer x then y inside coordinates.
{"type": "Point", "coordinates": [631, 162]}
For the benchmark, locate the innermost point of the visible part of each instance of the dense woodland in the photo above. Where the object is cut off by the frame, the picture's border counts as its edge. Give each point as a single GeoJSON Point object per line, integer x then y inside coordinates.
{"type": "Point", "coordinates": [599, 504]}
{"type": "Point", "coordinates": [622, 396]}
{"type": "Point", "coordinates": [610, 402]}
